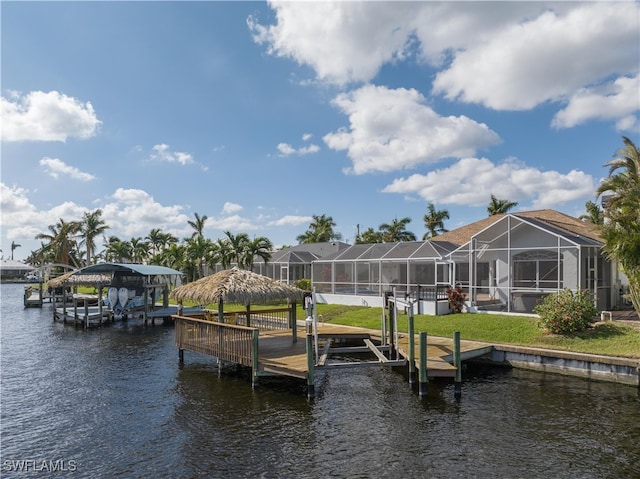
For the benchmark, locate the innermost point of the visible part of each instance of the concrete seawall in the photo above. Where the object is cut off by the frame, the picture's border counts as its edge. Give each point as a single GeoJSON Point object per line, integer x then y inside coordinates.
{"type": "Point", "coordinates": [589, 366]}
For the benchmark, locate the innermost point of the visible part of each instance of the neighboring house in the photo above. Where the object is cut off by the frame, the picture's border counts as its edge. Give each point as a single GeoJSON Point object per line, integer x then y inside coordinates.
{"type": "Point", "coordinates": [294, 263]}
{"type": "Point", "coordinates": [505, 262]}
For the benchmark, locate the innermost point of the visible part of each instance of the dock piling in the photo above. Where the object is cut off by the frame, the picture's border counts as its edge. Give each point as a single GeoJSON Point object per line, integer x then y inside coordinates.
{"type": "Point", "coordinates": [311, 392]}
{"type": "Point", "coordinates": [412, 348]}
{"type": "Point", "coordinates": [458, 364]}
{"type": "Point", "coordinates": [423, 380]}
{"type": "Point", "coordinates": [255, 359]}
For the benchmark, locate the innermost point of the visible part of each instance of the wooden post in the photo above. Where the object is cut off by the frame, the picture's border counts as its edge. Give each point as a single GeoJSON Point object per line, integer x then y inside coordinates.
{"type": "Point", "coordinates": [86, 313]}
{"type": "Point", "coordinates": [181, 356]}
{"type": "Point", "coordinates": [412, 348]}
{"type": "Point", "coordinates": [255, 359]}
{"type": "Point", "coordinates": [293, 319]}
{"type": "Point", "coordinates": [311, 391]}
{"type": "Point", "coordinates": [392, 318]}
{"type": "Point", "coordinates": [423, 378]}
{"type": "Point", "coordinates": [146, 304]}
{"type": "Point", "coordinates": [248, 315]}
{"type": "Point", "coordinates": [220, 311]}
{"type": "Point", "coordinates": [458, 364]}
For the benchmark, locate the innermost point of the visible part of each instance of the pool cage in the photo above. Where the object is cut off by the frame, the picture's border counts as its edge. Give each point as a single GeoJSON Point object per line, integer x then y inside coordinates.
{"type": "Point", "coordinates": [508, 263]}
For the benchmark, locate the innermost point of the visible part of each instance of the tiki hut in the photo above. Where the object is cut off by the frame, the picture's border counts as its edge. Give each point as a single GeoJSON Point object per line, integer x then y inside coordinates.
{"type": "Point", "coordinates": [236, 286]}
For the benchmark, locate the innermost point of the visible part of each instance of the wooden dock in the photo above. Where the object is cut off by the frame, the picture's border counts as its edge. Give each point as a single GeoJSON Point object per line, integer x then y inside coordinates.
{"type": "Point", "coordinates": [286, 352]}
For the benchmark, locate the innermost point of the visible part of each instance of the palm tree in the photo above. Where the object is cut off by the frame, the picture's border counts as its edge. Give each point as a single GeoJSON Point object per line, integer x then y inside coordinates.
{"type": "Point", "coordinates": [320, 230]}
{"type": "Point", "coordinates": [14, 245]}
{"type": "Point", "coordinates": [173, 256]}
{"type": "Point", "coordinates": [621, 227]}
{"type": "Point", "coordinates": [139, 250]}
{"type": "Point", "coordinates": [261, 247]}
{"type": "Point", "coordinates": [92, 225]}
{"type": "Point", "coordinates": [158, 240]}
{"type": "Point", "coordinates": [369, 236]}
{"type": "Point", "coordinates": [497, 206]}
{"type": "Point", "coordinates": [594, 213]}
{"type": "Point", "coordinates": [237, 247]}
{"type": "Point", "coordinates": [118, 251]}
{"type": "Point", "coordinates": [196, 252]}
{"type": "Point", "coordinates": [61, 241]}
{"type": "Point", "coordinates": [198, 225]}
{"type": "Point", "coordinates": [396, 231]}
{"type": "Point", "coordinates": [434, 221]}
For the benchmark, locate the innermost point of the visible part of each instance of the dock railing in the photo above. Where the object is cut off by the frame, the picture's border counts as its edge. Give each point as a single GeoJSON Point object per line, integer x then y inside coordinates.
{"type": "Point", "coordinates": [227, 342]}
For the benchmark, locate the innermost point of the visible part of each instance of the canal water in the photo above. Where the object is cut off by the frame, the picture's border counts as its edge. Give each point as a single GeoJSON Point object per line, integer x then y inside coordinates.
{"type": "Point", "coordinates": [114, 403]}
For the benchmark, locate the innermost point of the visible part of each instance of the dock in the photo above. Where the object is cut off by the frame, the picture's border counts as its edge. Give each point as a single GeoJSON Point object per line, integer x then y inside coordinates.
{"type": "Point", "coordinates": [300, 350]}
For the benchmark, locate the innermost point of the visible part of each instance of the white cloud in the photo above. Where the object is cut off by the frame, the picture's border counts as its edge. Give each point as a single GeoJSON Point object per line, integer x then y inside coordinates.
{"type": "Point", "coordinates": [394, 129]}
{"type": "Point", "coordinates": [617, 100]}
{"type": "Point", "coordinates": [56, 168]}
{"type": "Point", "coordinates": [286, 149]}
{"type": "Point", "coordinates": [471, 181]}
{"type": "Point", "coordinates": [161, 152]}
{"type": "Point", "coordinates": [230, 208]}
{"type": "Point", "coordinates": [545, 58]}
{"type": "Point", "coordinates": [291, 220]}
{"type": "Point", "coordinates": [503, 55]}
{"type": "Point", "coordinates": [341, 41]}
{"type": "Point", "coordinates": [232, 223]}
{"type": "Point", "coordinates": [51, 116]}
{"type": "Point", "coordinates": [134, 212]}
{"type": "Point", "coordinates": [307, 136]}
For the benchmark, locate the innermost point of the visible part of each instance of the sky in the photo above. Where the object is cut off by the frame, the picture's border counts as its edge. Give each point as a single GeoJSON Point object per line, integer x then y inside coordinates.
{"type": "Point", "coordinates": [261, 115]}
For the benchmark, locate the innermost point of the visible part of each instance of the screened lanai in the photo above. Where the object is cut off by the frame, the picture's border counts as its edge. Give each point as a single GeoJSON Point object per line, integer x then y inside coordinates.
{"type": "Point", "coordinates": [518, 259]}
{"type": "Point", "coordinates": [371, 270]}
{"type": "Point", "coordinates": [506, 262]}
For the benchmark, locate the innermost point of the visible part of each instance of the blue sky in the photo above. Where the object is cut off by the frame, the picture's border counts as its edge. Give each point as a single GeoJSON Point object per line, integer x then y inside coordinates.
{"type": "Point", "coordinates": [260, 115]}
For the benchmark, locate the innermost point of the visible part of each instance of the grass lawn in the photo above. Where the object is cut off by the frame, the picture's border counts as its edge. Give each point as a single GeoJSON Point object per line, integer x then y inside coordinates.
{"type": "Point", "coordinates": [609, 339]}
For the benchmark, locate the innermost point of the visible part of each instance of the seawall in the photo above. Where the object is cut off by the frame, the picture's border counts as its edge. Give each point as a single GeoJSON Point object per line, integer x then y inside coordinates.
{"type": "Point", "coordinates": [589, 366]}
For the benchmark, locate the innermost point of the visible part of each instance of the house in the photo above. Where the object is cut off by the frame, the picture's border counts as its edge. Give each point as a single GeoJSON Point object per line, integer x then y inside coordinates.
{"type": "Point", "coordinates": [505, 262]}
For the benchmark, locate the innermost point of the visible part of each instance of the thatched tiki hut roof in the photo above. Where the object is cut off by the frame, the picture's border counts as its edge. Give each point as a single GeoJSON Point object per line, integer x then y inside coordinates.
{"type": "Point", "coordinates": [78, 279]}
{"type": "Point", "coordinates": [236, 286]}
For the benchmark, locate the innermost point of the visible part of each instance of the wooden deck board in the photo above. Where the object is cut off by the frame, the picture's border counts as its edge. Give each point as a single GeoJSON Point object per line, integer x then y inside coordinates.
{"type": "Point", "coordinates": [278, 351]}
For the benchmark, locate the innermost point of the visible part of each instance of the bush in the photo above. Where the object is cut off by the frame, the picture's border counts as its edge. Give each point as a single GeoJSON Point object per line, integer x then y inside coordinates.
{"type": "Point", "coordinates": [456, 298]}
{"type": "Point", "coordinates": [304, 284]}
{"type": "Point", "coordinates": [566, 312]}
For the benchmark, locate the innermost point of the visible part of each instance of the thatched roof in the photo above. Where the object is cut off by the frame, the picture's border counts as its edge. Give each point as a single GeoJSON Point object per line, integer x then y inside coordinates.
{"type": "Point", "coordinates": [79, 279]}
{"type": "Point", "coordinates": [236, 286]}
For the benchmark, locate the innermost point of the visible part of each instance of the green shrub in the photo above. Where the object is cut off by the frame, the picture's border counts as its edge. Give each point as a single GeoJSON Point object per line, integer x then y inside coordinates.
{"type": "Point", "coordinates": [566, 312]}
{"type": "Point", "coordinates": [456, 298]}
{"type": "Point", "coordinates": [304, 284]}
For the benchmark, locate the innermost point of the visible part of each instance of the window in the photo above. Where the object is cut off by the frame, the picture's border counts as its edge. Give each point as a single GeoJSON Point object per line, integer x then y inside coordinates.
{"type": "Point", "coordinates": [537, 269]}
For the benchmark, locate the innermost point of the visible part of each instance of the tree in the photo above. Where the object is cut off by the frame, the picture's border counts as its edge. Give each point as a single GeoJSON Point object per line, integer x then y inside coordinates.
{"type": "Point", "coordinates": [260, 247]}
{"type": "Point", "coordinates": [196, 253]}
{"type": "Point", "coordinates": [434, 221]}
{"type": "Point", "coordinates": [369, 236]}
{"type": "Point", "coordinates": [237, 247]}
{"type": "Point", "coordinates": [14, 245]}
{"type": "Point", "coordinates": [621, 227]}
{"type": "Point", "coordinates": [118, 251]}
{"type": "Point", "coordinates": [320, 230]}
{"type": "Point", "coordinates": [61, 242]}
{"type": "Point", "coordinates": [158, 240]}
{"type": "Point", "coordinates": [594, 213]}
{"type": "Point", "coordinates": [198, 225]}
{"type": "Point", "coordinates": [396, 231]}
{"type": "Point", "coordinates": [497, 206]}
{"type": "Point", "coordinates": [91, 226]}
{"type": "Point", "coordinates": [139, 250]}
